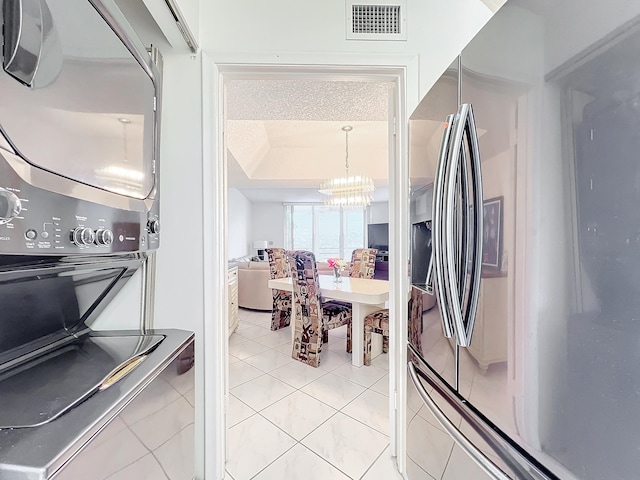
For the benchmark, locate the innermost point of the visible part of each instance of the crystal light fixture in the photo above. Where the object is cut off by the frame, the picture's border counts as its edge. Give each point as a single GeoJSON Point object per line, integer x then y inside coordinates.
{"type": "Point", "coordinates": [348, 191]}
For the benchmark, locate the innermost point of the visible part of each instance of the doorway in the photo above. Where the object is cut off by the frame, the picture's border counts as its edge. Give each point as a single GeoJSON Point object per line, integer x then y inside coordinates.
{"type": "Point", "coordinates": [265, 78]}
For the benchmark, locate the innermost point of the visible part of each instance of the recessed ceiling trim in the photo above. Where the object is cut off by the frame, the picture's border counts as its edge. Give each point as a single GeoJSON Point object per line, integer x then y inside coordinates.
{"type": "Point", "coordinates": [376, 19]}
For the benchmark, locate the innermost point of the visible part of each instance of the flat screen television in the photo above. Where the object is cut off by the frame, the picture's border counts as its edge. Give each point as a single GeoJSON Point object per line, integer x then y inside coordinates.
{"type": "Point", "coordinates": [420, 253]}
{"type": "Point", "coordinates": [378, 236]}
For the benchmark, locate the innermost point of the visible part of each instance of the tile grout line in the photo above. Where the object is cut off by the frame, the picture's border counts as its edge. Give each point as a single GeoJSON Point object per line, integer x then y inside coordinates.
{"type": "Point", "coordinates": [299, 389]}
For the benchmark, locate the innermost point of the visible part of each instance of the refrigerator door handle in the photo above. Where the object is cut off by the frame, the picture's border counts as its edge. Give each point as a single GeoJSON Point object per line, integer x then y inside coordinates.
{"type": "Point", "coordinates": [452, 248]}
{"type": "Point", "coordinates": [460, 278]}
{"type": "Point", "coordinates": [463, 442]}
{"type": "Point", "coordinates": [477, 224]}
{"type": "Point", "coordinates": [462, 219]}
{"type": "Point", "coordinates": [438, 255]}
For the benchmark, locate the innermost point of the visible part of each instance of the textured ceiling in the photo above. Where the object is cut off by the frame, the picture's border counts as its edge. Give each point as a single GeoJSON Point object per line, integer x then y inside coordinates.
{"type": "Point", "coordinates": [307, 100]}
{"type": "Point", "coordinates": [286, 135]}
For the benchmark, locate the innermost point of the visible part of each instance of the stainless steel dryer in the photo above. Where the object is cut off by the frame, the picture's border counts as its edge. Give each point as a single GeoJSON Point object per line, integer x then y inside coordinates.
{"type": "Point", "coordinates": [79, 216]}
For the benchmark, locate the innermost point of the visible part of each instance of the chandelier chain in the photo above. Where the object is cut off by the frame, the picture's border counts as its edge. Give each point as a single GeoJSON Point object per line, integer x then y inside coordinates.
{"type": "Point", "coordinates": [348, 191]}
{"type": "Point", "coordinates": [346, 133]}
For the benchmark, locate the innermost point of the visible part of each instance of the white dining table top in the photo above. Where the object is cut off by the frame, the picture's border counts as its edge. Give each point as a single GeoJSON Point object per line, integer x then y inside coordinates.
{"type": "Point", "coordinates": [360, 290]}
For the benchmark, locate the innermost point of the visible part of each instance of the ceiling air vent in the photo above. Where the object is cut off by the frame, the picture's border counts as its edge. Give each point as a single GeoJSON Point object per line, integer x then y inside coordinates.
{"type": "Point", "coordinates": [376, 20]}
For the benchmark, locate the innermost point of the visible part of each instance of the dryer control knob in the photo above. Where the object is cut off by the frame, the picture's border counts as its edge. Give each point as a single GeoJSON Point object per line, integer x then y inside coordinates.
{"type": "Point", "coordinates": [104, 236]}
{"type": "Point", "coordinates": [10, 206]}
{"type": "Point", "coordinates": [153, 226]}
{"type": "Point", "coordinates": [82, 236]}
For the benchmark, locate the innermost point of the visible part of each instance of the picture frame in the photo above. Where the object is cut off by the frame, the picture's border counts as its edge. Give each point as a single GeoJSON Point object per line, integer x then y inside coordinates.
{"type": "Point", "coordinates": [492, 211]}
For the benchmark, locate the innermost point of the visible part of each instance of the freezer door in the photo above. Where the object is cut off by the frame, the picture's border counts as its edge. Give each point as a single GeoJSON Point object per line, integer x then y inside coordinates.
{"type": "Point", "coordinates": [445, 441]}
{"type": "Point", "coordinates": [554, 354]}
{"type": "Point", "coordinates": [429, 129]}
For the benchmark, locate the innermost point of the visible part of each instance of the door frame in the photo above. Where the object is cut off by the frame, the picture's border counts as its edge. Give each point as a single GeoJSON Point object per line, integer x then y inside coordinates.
{"type": "Point", "coordinates": [402, 70]}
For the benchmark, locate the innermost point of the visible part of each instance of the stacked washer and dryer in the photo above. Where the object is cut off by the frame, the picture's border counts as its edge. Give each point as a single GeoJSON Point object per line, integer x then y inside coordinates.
{"type": "Point", "coordinates": [79, 218]}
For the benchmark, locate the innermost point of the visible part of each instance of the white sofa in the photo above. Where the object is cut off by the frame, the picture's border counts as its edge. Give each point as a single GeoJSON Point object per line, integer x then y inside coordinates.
{"type": "Point", "coordinates": [253, 283]}
{"type": "Point", "coordinates": [253, 286]}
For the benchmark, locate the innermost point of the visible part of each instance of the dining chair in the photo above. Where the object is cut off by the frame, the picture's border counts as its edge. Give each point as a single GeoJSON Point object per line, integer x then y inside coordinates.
{"type": "Point", "coordinates": [313, 318]}
{"type": "Point", "coordinates": [279, 268]}
{"type": "Point", "coordinates": [363, 263]}
{"type": "Point", "coordinates": [378, 322]}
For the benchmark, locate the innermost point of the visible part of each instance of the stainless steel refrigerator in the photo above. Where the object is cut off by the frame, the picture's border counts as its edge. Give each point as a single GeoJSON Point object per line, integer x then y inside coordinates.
{"type": "Point", "coordinates": [528, 365]}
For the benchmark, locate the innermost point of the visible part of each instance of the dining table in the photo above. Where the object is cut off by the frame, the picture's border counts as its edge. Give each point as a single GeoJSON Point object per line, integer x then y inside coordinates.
{"type": "Point", "coordinates": [365, 295]}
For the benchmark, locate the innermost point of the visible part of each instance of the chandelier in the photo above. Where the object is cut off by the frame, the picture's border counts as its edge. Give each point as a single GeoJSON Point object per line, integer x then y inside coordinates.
{"type": "Point", "coordinates": [347, 191]}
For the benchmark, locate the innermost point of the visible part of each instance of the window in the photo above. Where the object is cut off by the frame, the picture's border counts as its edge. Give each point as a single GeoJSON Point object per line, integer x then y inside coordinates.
{"type": "Point", "coordinates": [326, 231]}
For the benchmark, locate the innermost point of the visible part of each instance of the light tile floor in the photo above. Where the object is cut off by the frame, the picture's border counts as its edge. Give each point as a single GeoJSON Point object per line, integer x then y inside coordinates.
{"type": "Point", "coordinates": [289, 421]}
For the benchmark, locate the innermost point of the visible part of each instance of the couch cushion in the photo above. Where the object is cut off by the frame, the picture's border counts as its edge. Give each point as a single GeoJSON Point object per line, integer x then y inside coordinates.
{"type": "Point", "coordinates": [258, 265]}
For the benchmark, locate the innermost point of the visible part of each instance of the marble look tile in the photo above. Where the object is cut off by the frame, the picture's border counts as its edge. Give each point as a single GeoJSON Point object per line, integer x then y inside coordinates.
{"type": "Point", "coordinates": [160, 426]}
{"type": "Point", "coordinates": [262, 392]}
{"type": "Point", "coordinates": [254, 444]}
{"type": "Point", "coordinates": [365, 375]}
{"type": "Point", "coordinates": [286, 349]}
{"type": "Point", "coordinates": [233, 359]}
{"type": "Point", "coordinates": [337, 344]}
{"type": "Point", "coordinates": [332, 359]}
{"type": "Point", "coordinates": [274, 339]}
{"type": "Point", "coordinates": [372, 409]}
{"type": "Point", "coordinates": [385, 468]}
{"type": "Point", "coordinates": [428, 446]}
{"type": "Point", "coordinates": [247, 349]}
{"type": "Point", "coordinates": [237, 411]}
{"type": "Point", "coordinates": [241, 372]}
{"type": "Point", "coordinates": [236, 338]}
{"type": "Point", "coordinates": [298, 414]}
{"type": "Point", "coordinates": [269, 360]}
{"type": "Point", "coordinates": [347, 444]}
{"type": "Point", "coordinates": [462, 466]}
{"type": "Point", "coordinates": [253, 332]}
{"type": "Point", "coordinates": [190, 396]}
{"type": "Point", "coordinates": [242, 324]}
{"type": "Point", "coordinates": [381, 361]}
{"type": "Point", "coordinates": [300, 462]}
{"type": "Point", "coordinates": [382, 385]}
{"type": "Point", "coordinates": [227, 476]}
{"type": "Point", "coordinates": [414, 472]}
{"type": "Point", "coordinates": [177, 455]}
{"type": "Point", "coordinates": [262, 319]}
{"type": "Point", "coordinates": [297, 374]}
{"type": "Point", "coordinates": [146, 468]}
{"type": "Point", "coordinates": [333, 390]}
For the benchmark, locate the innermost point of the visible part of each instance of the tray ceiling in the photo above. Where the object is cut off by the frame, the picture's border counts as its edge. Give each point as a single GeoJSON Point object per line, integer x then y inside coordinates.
{"type": "Point", "coordinates": [287, 134]}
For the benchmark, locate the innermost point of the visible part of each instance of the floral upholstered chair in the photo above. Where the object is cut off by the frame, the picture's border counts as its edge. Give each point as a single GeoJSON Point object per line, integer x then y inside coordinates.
{"type": "Point", "coordinates": [312, 317]}
{"type": "Point", "coordinates": [279, 268]}
{"type": "Point", "coordinates": [378, 322]}
{"type": "Point", "coordinates": [363, 263]}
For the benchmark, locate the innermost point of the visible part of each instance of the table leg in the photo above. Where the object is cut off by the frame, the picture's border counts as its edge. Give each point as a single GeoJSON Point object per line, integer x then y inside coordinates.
{"type": "Point", "coordinates": [359, 311]}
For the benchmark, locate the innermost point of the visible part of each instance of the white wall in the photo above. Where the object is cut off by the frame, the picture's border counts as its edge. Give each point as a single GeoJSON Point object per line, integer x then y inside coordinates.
{"type": "Point", "coordinates": [239, 224]}
{"type": "Point", "coordinates": [261, 32]}
{"type": "Point", "coordinates": [268, 223]}
{"type": "Point", "coordinates": [379, 212]}
{"type": "Point", "coordinates": [266, 32]}
{"type": "Point", "coordinates": [180, 261]}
